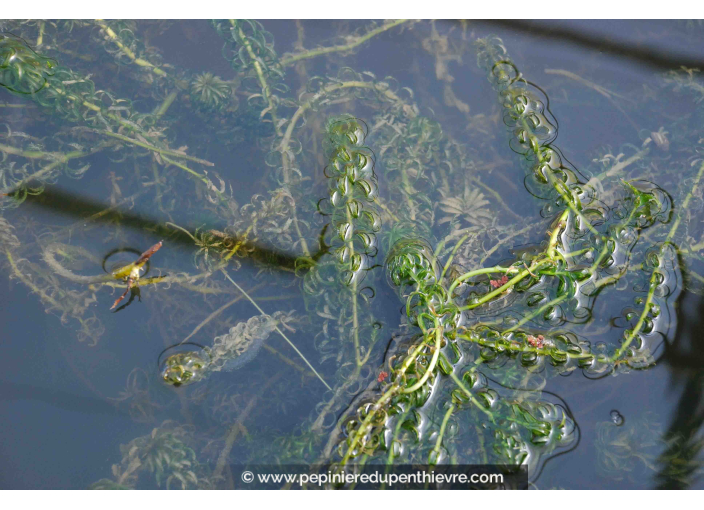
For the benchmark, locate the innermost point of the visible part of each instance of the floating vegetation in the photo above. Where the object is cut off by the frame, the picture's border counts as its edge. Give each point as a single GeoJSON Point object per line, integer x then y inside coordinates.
{"type": "Point", "coordinates": [229, 352]}
{"type": "Point", "coordinates": [441, 265]}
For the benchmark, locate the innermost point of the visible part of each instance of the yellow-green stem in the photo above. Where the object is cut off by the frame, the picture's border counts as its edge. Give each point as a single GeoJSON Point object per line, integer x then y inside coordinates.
{"type": "Point", "coordinates": [343, 47]}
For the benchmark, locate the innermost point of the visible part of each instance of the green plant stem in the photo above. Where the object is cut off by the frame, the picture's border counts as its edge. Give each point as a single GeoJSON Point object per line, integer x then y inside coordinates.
{"type": "Point", "coordinates": [476, 272]}
{"type": "Point", "coordinates": [393, 390]}
{"type": "Point", "coordinates": [576, 253]}
{"type": "Point", "coordinates": [435, 453]}
{"type": "Point", "coordinates": [570, 201]}
{"type": "Point", "coordinates": [56, 156]}
{"type": "Point", "coordinates": [397, 431]}
{"type": "Point", "coordinates": [355, 312]}
{"type": "Point", "coordinates": [433, 361]}
{"type": "Point", "coordinates": [537, 312]}
{"type": "Point", "coordinates": [262, 79]}
{"type": "Point", "coordinates": [40, 36]}
{"type": "Point", "coordinates": [605, 249]}
{"type": "Point", "coordinates": [195, 174]}
{"type": "Point", "coordinates": [365, 424]}
{"type": "Point", "coordinates": [503, 288]}
{"type": "Point", "coordinates": [59, 159]}
{"type": "Point", "coordinates": [559, 186]}
{"type": "Point", "coordinates": [653, 278]}
{"type": "Point", "coordinates": [343, 47]}
{"type": "Point", "coordinates": [452, 255]}
{"type": "Point", "coordinates": [325, 91]}
{"type": "Point", "coordinates": [166, 104]}
{"type": "Point", "coordinates": [339, 392]}
{"type": "Point", "coordinates": [520, 348]}
{"type": "Point", "coordinates": [130, 54]}
{"type": "Point", "coordinates": [162, 152]}
{"type": "Point", "coordinates": [471, 397]}
{"type": "Point", "coordinates": [29, 283]}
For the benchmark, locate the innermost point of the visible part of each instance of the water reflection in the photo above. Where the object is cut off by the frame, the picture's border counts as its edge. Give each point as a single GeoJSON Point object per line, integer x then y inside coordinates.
{"type": "Point", "coordinates": [93, 211]}
{"type": "Point", "coordinates": [593, 295]}
{"type": "Point", "coordinates": [681, 462]}
{"type": "Point", "coordinates": [651, 56]}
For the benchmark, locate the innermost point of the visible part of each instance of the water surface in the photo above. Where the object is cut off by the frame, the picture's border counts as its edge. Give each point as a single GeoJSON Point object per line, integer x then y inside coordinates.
{"type": "Point", "coordinates": [82, 403]}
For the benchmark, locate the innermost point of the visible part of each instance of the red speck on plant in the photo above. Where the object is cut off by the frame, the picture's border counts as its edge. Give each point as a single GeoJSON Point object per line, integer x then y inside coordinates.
{"type": "Point", "coordinates": [500, 282]}
{"type": "Point", "coordinates": [536, 341]}
{"type": "Point", "coordinates": [382, 375]}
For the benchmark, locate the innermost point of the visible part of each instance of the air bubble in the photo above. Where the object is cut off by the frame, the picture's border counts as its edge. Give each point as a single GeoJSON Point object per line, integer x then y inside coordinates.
{"type": "Point", "coordinates": [617, 419]}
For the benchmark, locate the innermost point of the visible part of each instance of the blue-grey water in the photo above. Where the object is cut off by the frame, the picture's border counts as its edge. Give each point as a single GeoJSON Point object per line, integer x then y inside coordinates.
{"type": "Point", "coordinates": [79, 381]}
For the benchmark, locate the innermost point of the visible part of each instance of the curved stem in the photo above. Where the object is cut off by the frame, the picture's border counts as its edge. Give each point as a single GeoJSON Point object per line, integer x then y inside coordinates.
{"type": "Point", "coordinates": [438, 443]}
{"type": "Point", "coordinates": [485, 270]}
{"type": "Point", "coordinates": [452, 256]}
{"type": "Point", "coordinates": [433, 361]}
{"type": "Point", "coordinates": [286, 139]}
{"type": "Point", "coordinates": [653, 278]}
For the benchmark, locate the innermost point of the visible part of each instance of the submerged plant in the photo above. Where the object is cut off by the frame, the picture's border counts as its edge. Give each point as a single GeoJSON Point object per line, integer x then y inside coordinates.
{"type": "Point", "coordinates": [421, 340]}
{"type": "Point", "coordinates": [22, 71]}
{"type": "Point", "coordinates": [164, 454]}
{"type": "Point", "coordinates": [629, 450]}
{"type": "Point", "coordinates": [228, 352]}
{"type": "Point", "coordinates": [210, 90]}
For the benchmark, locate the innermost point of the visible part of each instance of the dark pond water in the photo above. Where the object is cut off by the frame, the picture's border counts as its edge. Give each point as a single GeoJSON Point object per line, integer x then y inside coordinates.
{"type": "Point", "coordinates": [566, 155]}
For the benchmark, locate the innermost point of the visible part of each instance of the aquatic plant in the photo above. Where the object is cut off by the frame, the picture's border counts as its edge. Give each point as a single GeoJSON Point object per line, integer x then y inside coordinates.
{"type": "Point", "coordinates": [164, 454]}
{"type": "Point", "coordinates": [365, 202]}
{"type": "Point", "coordinates": [229, 352]}
{"type": "Point", "coordinates": [210, 90]}
{"type": "Point", "coordinates": [628, 449]}
{"type": "Point", "coordinates": [22, 71]}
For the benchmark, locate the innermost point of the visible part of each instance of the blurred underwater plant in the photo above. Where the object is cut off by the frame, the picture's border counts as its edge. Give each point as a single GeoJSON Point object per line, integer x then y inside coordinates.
{"type": "Point", "coordinates": [366, 202]}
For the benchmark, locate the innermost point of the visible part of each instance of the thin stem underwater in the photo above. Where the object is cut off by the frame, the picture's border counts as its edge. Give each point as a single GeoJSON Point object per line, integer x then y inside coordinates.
{"type": "Point", "coordinates": [278, 330]}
